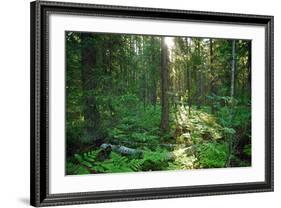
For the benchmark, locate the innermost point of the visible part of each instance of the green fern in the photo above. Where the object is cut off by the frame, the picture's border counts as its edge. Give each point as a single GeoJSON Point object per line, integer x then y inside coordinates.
{"type": "Point", "coordinates": [89, 163]}
{"type": "Point", "coordinates": [212, 155]}
{"type": "Point", "coordinates": [76, 169]}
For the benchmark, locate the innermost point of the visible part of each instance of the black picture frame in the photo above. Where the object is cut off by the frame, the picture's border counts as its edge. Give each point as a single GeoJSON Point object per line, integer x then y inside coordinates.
{"type": "Point", "coordinates": [39, 176]}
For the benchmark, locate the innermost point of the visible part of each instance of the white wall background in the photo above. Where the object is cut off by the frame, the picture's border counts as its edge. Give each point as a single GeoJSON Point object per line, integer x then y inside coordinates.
{"type": "Point", "coordinates": [14, 104]}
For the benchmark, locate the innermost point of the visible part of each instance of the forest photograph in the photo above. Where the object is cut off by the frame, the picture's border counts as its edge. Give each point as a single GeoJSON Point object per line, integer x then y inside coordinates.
{"type": "Point", "coordinates": [137, 103]}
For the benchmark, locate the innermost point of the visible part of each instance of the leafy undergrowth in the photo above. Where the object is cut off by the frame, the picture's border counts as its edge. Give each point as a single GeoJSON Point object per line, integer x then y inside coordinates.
{"type": "Point", "coordinates": [196, 140]}
{"type": "Point", "coordinates": [204, 137]}
{"type": "Point", "coordinates": [195, 127]}
{"type": "Point", "coordinates": [135, 128]}
{"type": "Point", "coordinates": [93, 162]}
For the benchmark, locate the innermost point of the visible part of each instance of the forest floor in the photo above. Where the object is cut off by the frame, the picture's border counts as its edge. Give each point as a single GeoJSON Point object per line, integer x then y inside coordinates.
{"type": "Point", "coordinates": [196, 139]}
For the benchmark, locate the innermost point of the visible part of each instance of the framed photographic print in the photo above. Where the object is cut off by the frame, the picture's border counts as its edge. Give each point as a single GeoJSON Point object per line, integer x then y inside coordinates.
{"type": "Point", "coordinates": [132, 103]}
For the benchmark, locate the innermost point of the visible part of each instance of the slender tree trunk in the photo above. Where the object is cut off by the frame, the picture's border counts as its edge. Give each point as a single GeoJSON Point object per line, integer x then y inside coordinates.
{"type": "Point", "coordinates": [189, 91]}
{"type": "Point", "coordinates": [249, 81]}
{"type": "Point", "coordinates": [143, 75]}
{"type": "Point", "coordinates": [201, 75]}
{"type": "Point", "coordinates": [211, 54]}
{"type": "Point", "coordinates": [188, 74]}
{"type": "Point", "coordinates": [198, 76]}
{"type": "Point", "coordinates": [202, 96]}
{"type": "Point", "coordinates": [89, 83]}
{"type": "Point", "coordinates": [233, 66]}
{"type": "Point", "coordinates": [153, 72]}
{"type": "Point", "coordinates": [230, 137]}
{"type": "Point", "coordinates": [213, 80]}
{"type": "Point", "coordinates": [164, 87]}
{"type": "Point", "coordinates": [131, 65]}
{"type": "Point", "coordinates": [110, 58]}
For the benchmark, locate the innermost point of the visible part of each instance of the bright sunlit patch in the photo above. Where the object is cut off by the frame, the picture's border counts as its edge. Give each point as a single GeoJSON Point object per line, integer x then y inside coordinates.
{"type": "Point", "coordinates": [169, 41]}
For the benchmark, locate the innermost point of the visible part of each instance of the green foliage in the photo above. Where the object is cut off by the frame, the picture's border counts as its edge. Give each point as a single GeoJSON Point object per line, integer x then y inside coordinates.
{"type": "Point", "coordinates": [231, 113]}
{"type": "Point", "coordinates": [76, 169]}
{"type": "Point", "coordinates": [155, 160]}
{"type": "Point", "coordinates": [207, 150]}
{"type": "Point", "coordinates": [90, 162]}
{"type": "Point", "coordinates": [247, 150]}
{"type": "Point", "coordinates": [136, 125]}
{"type": "Point", "coordinates": [212, 155]}
{"type": "Point", "coordinates": [115, 95]}
{"type": "Point", "coordinates": [116, 164]}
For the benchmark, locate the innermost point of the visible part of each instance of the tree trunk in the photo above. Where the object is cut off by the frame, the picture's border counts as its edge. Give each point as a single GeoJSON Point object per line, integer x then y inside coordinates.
{"type": "Point", "coordinates": [249, 83]}
{"type": "Point", "coordinates": [202, 96]}
{"type": "Point", "coordinates": [198, 75]}
{"type": "Point", "coordinates": [143, 73]}
{"type": "Point", "coordinates": [211, 54]}
{"type": "Point", "coordinates": [230, 137]}
{"type": "Point", "coordinates": [164, 87]}
{"type": "Point", "coordinates": [214, 78]}
{"type": "Point", "coordinates": [233, 66]}
{"type": "Point", "coordinates": [154, 73]}
{"type": "Point", "coordinates": [189, 91]}
{"type": "Point", "coordinates": [89, 83]}
{"type": "Point", "coordinates": [188, 74]}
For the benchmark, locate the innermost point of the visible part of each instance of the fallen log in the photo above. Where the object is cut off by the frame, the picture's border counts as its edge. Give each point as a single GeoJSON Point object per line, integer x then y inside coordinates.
{"type": "Point", "coordinates": [147, 144]}
{"type": "Point", "coordinates": [191, 150]}
{"type": "Point", "coordinates": [121, 149]}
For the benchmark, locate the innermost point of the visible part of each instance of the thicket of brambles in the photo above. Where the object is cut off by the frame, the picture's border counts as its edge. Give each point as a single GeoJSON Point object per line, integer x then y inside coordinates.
{"type": "Point", "coordinates": [144, 103]}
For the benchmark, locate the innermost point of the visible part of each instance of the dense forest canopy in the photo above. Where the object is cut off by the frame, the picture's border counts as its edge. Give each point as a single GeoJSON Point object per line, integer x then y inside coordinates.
{"type": "Point", "coordinates": [143, 102]}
